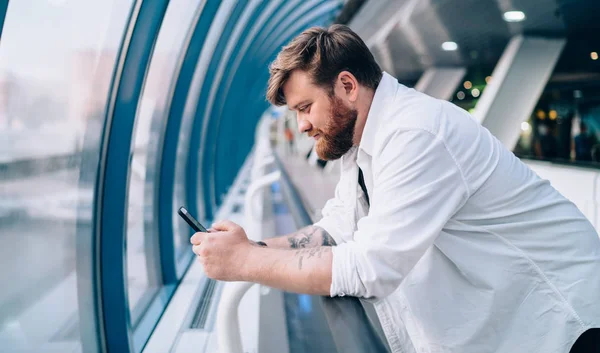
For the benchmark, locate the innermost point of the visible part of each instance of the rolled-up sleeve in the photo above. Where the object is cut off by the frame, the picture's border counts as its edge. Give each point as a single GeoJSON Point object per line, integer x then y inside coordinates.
{"type": "Point", "coordinates": [338, 219]}
{"type": "Point", "coordinates": [418, 187]}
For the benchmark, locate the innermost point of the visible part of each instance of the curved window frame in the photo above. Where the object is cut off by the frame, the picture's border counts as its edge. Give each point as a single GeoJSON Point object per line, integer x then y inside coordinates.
{"type": "Point", "coordinates": [173, 263]}
{"type": "Point", "coordinates": [110, 205]}
{"type": "Point", "coordinates": [192, 191]}
{"type": "Point", "coordinates": [290, 24]}
{"type": "Point", "coordinates": [228, 167]}
{"type": "Point", "coordinates": [3, 9]}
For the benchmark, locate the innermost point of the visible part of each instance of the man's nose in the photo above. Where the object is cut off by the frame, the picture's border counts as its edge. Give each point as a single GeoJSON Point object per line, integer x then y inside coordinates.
{"type": "Point", "coordinates": [304, 126]}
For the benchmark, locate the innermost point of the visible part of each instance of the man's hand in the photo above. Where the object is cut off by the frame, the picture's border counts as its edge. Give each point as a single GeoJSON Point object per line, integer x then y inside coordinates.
{"type": "Point", "coordinates": [223, 251]}
{"type": "Point", "coordinates": [228, 255]}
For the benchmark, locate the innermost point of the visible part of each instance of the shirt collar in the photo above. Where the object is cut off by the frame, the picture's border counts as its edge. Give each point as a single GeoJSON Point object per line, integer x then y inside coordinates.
{"type": "Point", "coordinates": [384, 95]}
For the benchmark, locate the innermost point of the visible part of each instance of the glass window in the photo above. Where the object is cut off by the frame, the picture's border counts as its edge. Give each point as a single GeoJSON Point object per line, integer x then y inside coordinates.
{"type": "Point", "coordinates": [56, 65]}
{"type": "Point", "coordinates": [565, 124]}
{"type": "Point", "coordinates": [142, 265]}
{"type": "Point", "coordinates": [472, 86]}
{"type": "Point", "coordinates": [181, 229]}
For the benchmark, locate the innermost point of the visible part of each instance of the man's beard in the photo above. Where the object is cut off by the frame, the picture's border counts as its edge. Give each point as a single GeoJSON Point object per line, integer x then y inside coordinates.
{"type": "Point", "coordinates": [338, 138]}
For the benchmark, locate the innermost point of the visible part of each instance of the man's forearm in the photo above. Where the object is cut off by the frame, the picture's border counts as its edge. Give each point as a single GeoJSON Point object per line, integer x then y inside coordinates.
{"type": "Point", "coordinates": [307, 237]}
{"type": "Point", "coordinates": [301, 271]}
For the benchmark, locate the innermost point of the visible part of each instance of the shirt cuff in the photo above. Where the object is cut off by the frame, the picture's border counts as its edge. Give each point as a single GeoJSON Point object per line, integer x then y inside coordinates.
{"type": "Point", "coordinates": [344, 276]}
{"type": "Point", "coordinates": [330, 225]}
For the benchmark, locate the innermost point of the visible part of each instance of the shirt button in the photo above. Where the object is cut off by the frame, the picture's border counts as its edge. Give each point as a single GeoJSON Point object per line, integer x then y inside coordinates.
{"type": "Point", "coordinates": [342, 294]}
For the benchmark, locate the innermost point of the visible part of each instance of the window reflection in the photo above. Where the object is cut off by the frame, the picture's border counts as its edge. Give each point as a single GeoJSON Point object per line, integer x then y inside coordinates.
{"type": "Point", "coordinates": [142, 263]}
{"type": "Point", "coordinates": [56, 64]}
{"type": "Point", "coordinates": [472, 86]}
{"type": "Point", "coordinates": [565, 124]}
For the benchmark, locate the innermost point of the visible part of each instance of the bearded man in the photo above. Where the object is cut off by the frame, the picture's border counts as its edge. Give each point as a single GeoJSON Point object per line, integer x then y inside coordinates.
{"type": "Point", "coordinates": [458, 244]}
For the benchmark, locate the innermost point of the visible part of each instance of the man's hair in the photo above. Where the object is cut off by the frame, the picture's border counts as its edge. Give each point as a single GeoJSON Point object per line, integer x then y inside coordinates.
{"type": "Point", "coordinates": [323, 53]}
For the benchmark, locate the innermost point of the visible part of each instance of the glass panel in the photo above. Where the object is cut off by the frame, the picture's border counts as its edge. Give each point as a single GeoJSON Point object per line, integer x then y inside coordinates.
{"type": "Point", "coordinates": [181, 229]}
{"type": "Point", "coordinates": [56, 64]}
{"type": "Point", "coordinates": [472, 86]}
{"type": "Point", "coordinates": [142, 265]}
{"type": "Point", "coordinates": [565, 124]}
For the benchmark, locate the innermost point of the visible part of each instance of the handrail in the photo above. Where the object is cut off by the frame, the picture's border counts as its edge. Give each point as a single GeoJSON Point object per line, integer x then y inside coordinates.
{"type": "Point", "coordinates": [591, 165]}
{"type": "Point", "coordinates": [253, 189]}
{"type": "Point", "coordinates": [296, 205]}
{"type": "Point", "coordinates": [227, 322]}
{"type": "Point", "coordinates": [351, 328]}
{"type": "Point", "coordinates": [348, 321]}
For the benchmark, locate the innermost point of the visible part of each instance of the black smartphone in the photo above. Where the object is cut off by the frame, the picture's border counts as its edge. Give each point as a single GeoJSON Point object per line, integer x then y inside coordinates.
{"type": "Point", "coordinates": [196, 226]}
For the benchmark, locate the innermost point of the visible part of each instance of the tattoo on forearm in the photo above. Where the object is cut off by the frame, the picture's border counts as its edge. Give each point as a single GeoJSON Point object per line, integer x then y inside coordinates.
{"type": "Point", "coordinates": [328, 239]}
{"type": "Point", "coordinates": [304, 238]}
{"type": "Point", "coordinates": [308, 253]}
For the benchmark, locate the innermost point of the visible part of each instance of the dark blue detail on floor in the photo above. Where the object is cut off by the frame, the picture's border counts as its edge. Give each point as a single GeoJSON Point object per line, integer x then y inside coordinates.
{"type": "Point", "coordinates": [308, 331]}
{"type": "Point", "coordinates": [280, 209]}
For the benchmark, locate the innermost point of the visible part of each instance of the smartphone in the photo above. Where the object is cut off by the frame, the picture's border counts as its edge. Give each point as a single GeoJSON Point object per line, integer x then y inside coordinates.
{"type": "Point", "coordinates": [196, 226]}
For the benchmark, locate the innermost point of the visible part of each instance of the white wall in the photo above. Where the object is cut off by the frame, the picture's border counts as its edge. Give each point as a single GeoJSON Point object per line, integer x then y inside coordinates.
{"type": "Point", "coordinates": [580, 185]}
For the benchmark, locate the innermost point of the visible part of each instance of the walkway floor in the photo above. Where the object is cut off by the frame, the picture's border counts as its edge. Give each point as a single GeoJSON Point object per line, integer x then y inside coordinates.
{"type": "Point", "coordinates": [308, 331]}
{"type": "Point", "coordinates": [314, 184]}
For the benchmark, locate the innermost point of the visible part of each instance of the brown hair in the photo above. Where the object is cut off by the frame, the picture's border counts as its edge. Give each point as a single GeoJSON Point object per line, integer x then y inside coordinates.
{"type": "Point", "coordinates": [323, 53]}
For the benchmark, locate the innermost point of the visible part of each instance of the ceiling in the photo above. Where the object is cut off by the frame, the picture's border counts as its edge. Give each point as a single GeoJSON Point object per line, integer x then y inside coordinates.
{"type": "Point", "coordinates": [406, 35]}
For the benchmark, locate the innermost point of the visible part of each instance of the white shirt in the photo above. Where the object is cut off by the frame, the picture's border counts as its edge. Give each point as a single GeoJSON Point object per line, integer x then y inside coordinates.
{"type": "Point", "coordinates": [464, 248]}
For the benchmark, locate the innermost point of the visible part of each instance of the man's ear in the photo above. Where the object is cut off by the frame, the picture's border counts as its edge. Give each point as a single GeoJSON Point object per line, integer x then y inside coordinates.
{"type": "Point", "coordinates": [350, 85]}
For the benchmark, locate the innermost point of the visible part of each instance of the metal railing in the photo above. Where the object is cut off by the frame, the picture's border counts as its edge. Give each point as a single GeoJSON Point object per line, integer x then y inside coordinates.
{"type": "Point", "coordinates": [351, 328]}
{"type": "Point", "coordinates": [353, 331]}
{"type": "Point", "coordinates": [228, 323]}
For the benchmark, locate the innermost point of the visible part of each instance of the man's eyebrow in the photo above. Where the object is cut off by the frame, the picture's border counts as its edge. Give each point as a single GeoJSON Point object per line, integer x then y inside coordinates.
{"type": "Point", "coordinates": [296, 106]}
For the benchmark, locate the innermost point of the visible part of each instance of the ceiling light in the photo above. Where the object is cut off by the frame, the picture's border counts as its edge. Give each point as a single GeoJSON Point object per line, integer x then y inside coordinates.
{"type": "Point", "coordinates": [514, 16]}
{"type": "Point", "coordinates": [594, 55]}
{"type": "Point", "coordinates": [449, 46]}
{"type": "Point", "coordinates": [525, 126]}
{"type": "Point", "coordinates": [488, 79]}
{"type": "Point", "coordinates": [460, 95]}
{"type": "Point", "coordinates": [475, 92]}
{"type": "Point", "coordinates": [553, 115]}
{"type": "Point", "coordinates": [467, 84]}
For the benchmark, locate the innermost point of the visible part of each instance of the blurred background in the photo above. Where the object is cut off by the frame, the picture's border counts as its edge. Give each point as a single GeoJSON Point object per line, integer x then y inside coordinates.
{"type": "Point", "coordinates": [113, 114]}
